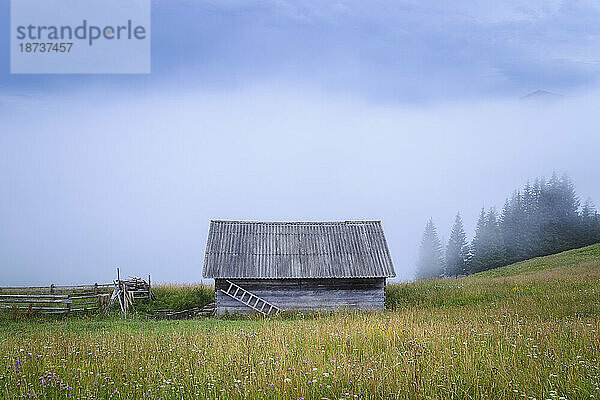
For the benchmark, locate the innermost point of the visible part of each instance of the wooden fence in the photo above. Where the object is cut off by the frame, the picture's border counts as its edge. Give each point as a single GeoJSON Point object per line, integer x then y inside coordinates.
{"type": "Point", "coordinates": [128, 290]}
{"type": "Point", "coordinates": [56, 299]}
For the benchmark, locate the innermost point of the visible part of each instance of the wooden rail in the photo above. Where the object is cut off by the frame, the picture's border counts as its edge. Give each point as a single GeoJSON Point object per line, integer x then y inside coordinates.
{"type": "Point", "coordinates": [56, 299]}
{"type": "Point", "coordinates": [128, 290]}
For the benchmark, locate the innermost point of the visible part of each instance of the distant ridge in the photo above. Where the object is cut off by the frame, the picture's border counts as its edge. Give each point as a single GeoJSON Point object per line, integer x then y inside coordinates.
{"type": "Point", "coordinates": [542, 95]}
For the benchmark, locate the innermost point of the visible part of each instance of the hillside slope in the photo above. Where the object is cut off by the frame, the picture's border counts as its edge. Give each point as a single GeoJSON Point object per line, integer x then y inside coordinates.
{"type": "Point", "coordinates": [561, 284]}
{"type": "Point", "coordinates": [567, 260]}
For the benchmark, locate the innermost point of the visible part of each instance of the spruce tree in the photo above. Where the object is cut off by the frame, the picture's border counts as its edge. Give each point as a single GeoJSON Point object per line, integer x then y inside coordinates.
{"type": "Point", "coordinates": [528, 224]}
{"type": "Point", "coordinates": [512, 226]}
{"type": "Point", "coordinates": [543, 218]}
{"type": "Point", "coordinates": [496, 255]}
{"type": "Point", "coordinates": [478, 246]}
{"type": "Point", "coordinates": [457, 251]}
{"type": "Point", "coordinates": [430, 262]}
{"type": "Point", "coordinates": [568, 216]}
{"type": "Point", "coordinates": [538, 217]}
{"type": "Point", "coordinates": [488, 245]}
{"type": "Point", "coordinates": [589, 225]}
{"type": "Point", "coordinates": [509, 226]}
{"type": "Point", "coordinates": [558, 216]}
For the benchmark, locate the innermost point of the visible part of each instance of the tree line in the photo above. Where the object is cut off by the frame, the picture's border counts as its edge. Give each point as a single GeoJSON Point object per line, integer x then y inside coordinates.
{"type": "Point", "coordinates": [542, 218]}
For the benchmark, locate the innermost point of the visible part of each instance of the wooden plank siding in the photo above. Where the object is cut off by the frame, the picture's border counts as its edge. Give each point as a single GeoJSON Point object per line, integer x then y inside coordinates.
{"type": "Point", "coordinates": [306, 294]}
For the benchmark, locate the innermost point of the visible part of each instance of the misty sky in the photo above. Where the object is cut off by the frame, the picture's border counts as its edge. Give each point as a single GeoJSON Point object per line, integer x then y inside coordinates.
{"type": "Point", "coordinates": [276, 110]}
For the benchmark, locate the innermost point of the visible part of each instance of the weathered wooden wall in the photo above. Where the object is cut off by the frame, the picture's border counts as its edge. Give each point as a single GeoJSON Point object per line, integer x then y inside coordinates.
{"type": "Point", "coordinates": [306, 294]}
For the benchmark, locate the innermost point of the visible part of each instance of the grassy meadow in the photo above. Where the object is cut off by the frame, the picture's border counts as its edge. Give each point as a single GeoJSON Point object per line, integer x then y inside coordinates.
{"type": "Point", "coordinates": [177, 297]}
{"type": "Point", "coordinates": [526, 331]}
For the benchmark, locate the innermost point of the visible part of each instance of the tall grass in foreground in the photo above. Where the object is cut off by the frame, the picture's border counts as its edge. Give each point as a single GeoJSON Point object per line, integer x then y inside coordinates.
{"type": "Point", "coordinates": [507, 337]}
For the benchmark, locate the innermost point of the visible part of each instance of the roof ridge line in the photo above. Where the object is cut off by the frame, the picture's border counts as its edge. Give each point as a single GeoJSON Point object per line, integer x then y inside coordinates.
{"type": "Point", "coordinates": [295, 222]}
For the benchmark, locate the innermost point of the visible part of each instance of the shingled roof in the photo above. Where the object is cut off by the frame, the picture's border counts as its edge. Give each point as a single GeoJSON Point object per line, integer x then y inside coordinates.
{"type": "Point", "coordinates": [276, 250]}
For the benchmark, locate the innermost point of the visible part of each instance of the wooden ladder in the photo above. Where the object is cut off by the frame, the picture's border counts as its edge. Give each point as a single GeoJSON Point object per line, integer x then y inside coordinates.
{"type": "Point", "coordinates": [254, 302]}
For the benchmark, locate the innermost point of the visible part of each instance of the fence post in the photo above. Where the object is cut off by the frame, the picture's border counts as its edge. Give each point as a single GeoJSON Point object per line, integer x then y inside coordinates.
{"type": "Point", "coordinates": [52, 288]}
{"type": "Point", "coordinates": [96, 288]}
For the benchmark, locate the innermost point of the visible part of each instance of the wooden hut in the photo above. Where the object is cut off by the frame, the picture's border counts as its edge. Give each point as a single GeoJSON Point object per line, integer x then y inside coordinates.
{"type": "Point", "coordinates": [268, 267]}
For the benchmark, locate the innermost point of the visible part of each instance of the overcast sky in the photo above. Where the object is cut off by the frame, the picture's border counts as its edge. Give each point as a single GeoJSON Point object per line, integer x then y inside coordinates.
{"type": "Point", "coordinates": [276, 110]}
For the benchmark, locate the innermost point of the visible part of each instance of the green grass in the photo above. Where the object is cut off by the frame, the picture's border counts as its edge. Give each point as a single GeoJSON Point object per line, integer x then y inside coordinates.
{"type": "Point", "coordinates": [565, 260]}
{"type": "Point", "coordinates": [570, 277]}
{"type": "Point", "coordinates": [177, 298]}
{"type": "Point", "coordinates": [530, 330]}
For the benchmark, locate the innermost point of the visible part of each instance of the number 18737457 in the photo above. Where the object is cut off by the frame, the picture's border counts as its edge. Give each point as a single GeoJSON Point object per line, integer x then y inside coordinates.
{"type": "Point", "coordinates": [49, 47]}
